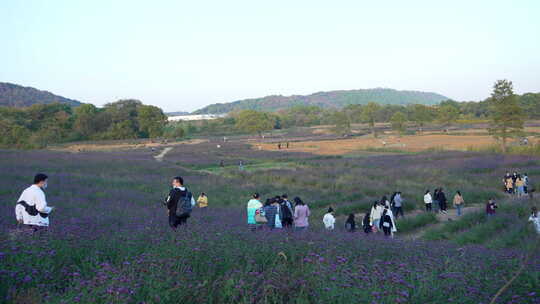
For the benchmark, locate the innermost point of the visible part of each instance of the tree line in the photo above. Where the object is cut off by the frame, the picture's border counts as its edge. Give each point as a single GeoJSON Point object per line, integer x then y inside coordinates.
{"type": "Point", "coordinates": [42, 124]}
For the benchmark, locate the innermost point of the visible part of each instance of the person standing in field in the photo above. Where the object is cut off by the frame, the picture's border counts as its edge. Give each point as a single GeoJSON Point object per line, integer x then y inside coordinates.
{"type": "Point", "coordinates": [350, 224]}
{"type": "Point", "coordinates": [287, 211]}
{"type": "Point", "coordinates": [385, 202]}
{"type": "Point", "coordinates": [253, 205]}
{"type": "Point", "coordinates": [301, 215]}
{"type": "Point", "coordinates": [202, 200]}
{"type": "Point", "coordinates": [179, 196]}
{"type": "Point", "coordinates": [270, 212]}
{"type": "Point", "coordinates": [458, 202]}
{"type": "Point", "coordinates": [535, 219]}
{"type": "Point", "coordinates": [329, 220]}
{"type": "Point", "coordinates": [366, 223]}
{"type": "Point", "coordinates": [520, 186]}
{"type": "Point", "coordinates": [509, 185]}
{"type": "Point", "coordinates": [428, 201]}
{"type": "Point", "coordinates": [491, 207]}
{"type": "Point", "coordinates": [375, 215]}
{"type": "Point", "coordinates": [32, 210]}
{"type": "Point", "coordinates": [398, 205]}
{"type": "Point", "coordinates": [526, 181]}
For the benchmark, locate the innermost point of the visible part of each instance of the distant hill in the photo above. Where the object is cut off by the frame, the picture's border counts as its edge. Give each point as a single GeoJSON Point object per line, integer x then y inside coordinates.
{"type": "Point", "coordinates": [13, 95]}
{"type": "Point", "coordinates": [331, 99]}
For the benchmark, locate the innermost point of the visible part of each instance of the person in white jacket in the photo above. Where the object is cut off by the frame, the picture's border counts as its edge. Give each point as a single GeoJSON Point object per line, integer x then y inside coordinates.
{"type": "Point", "coordinates": [329, 220]}
{"type": "Point", "coordinates": [428, 201]}
{"type": "Point", "coordinates": [375, 215]}
{"type": "Point", "coordinates": [31, 209]}
{"type": "Point", "coordinates": [535, 219]}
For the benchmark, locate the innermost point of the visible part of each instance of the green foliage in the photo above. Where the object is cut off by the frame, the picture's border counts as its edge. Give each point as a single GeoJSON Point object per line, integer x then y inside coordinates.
{"type": "Point", "coordinates": [411, 223]}
{"type": "Point", "coordinates": [448, 114]}
{"type": "Point", "coordinates": [399, 121]}
{"type": "Point", "coordinates": [421, 114]}
{"type": "Point", "coordinates": [506, 116]}
{"type": "Point", "coordinates": [251, 121]}
{"type": "Point", "coordinates": [368, 115]}
{"type": "Point", "coordinates": [342, 123]}
{"type": "Point", "coordinates": [44, 124]}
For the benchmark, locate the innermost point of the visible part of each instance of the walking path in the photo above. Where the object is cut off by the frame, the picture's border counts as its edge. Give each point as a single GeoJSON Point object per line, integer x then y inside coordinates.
{"type": "Point", "coordinates": [161, 155]}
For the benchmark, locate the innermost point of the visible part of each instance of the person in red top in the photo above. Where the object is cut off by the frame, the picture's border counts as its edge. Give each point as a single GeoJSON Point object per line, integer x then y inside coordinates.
{"type": "Point", "coordinates": [491, 206]}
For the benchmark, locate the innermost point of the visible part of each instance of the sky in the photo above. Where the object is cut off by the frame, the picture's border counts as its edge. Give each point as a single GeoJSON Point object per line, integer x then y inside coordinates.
{"type": "Point", "coordinates": [183, 55]}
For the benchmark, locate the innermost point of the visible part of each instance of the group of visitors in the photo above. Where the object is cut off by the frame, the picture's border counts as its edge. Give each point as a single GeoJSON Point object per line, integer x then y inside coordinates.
{"type": "Point", "coordinates": [32, 210]}
{"type": "Point", "coordinates": [516, 183]}
{"type": "Point", "coordinates": [439, 203]}
{"type": "Point", "coordinates": [277, 212]}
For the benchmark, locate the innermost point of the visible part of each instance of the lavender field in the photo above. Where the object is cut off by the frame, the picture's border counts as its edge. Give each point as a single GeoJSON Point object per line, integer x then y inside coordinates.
{"type": "Point", "coordinates": [109, 241]}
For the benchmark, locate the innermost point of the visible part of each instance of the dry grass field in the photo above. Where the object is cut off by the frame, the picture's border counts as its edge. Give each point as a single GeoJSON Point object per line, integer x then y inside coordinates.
{"type": "Point", "coordinates": [456, 140]}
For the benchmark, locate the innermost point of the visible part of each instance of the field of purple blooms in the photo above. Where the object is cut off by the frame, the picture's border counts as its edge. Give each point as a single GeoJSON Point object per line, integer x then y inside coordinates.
{"type": "Point", "coordinates": [109, 241]}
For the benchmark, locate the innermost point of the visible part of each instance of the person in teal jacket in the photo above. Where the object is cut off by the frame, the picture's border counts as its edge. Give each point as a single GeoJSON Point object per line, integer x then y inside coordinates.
{"type": "Point", "coordinates": [253, 205]}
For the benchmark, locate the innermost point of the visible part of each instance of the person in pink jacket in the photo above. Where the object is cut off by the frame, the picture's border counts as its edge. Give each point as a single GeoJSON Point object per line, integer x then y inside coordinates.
{"type": "Point", "coordinates": [301, 215]}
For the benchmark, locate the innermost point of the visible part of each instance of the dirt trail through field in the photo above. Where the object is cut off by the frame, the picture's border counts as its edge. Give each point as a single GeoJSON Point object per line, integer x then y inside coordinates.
{"type": "Point", "coordinates": [442, 219]}
{"type": "Point", "coordinates": [124, 146]}
{"type": "Point", "coordinates": [161, 155]}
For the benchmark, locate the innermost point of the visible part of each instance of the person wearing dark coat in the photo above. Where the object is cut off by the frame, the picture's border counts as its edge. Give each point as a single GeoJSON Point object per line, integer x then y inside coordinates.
{"type": "Point", "coordinates": [366, 223]}
{"type": "Point", "coordinates": [350, 224]}
{"type": "Point", "coordinates": [442, 200]}
{"type": "Point", "coordinates": [179, 196]}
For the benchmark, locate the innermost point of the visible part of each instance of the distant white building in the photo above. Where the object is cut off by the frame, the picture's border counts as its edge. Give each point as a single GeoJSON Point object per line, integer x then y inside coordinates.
{"type": "Point", "coordinates": [195, 117]}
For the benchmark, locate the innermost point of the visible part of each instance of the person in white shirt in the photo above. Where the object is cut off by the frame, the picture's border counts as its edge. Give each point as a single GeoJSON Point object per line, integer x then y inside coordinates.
{"type": "Point", "coordinates": [375, 214]}
{"type": "Point", "coordinates": [329, 220]}
{"type": "Point", "coordinates": [31, 209]}
{"type": "Point", "coordinates": [428, 200]}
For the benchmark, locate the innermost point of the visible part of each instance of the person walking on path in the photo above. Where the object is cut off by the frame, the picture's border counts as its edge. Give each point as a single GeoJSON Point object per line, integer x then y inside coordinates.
{"type": "Point", "coordinates": [202, 200]}
{"type": "Point", "coordinates": [509, 185]}
{"type": "Point", "coordinates": [375, 215]}
{"type": "Point", "coordinates": [441, 198]}
{"type": "Point", "coordinates": [458, 202]}
{"type": "Point", "coordinates": [436, 200]}
{"type": "Point", "coordinates": [179, 196]}
{"type": "Point", "coordinates": [398, 205]}
{"type": "Point", "coordinates": [491, 207]}
{"type": "Point", "coordinates": [253, 206]}
{"type": "Point", "coordinates": [32, 211]}
{"type": "Point", "coordinates": [387, 223]}
{"type": "Point", "coordinates": [535, 219]}
{"type": "Point", "coordinates": [366, 223]}
{"type": "Point", "coordinates": [428, 201]}
{"type": "Point", "coordinates": [301, 215]}
{"type": "Point", "coordinates": [350, 224]}
{"type": "Point", "coordinates": [329, 220]}
{"type": "Point", "coordinates": [287, 212]}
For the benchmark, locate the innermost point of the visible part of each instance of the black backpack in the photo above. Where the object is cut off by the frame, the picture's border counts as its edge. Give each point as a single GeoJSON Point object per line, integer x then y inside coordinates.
{"type": "Point", "coordinates": [185, 202]}
{"type": "Point", "coordinates": [285, 211]}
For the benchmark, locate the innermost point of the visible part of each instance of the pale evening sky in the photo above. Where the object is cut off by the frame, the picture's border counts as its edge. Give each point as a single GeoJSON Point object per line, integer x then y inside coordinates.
{"type": "Point", "coordinates": [183, 55]}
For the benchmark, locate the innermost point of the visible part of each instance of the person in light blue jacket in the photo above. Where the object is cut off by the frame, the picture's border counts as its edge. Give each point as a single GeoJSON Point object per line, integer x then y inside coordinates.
{"type": "Point", "coordinates": [253, 205]}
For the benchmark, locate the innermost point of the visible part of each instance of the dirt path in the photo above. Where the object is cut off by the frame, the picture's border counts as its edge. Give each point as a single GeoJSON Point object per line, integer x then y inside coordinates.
{"type": "Point", "coordinates": [442, 219]}
{"type": "Point", "coordinates": [161, 155]}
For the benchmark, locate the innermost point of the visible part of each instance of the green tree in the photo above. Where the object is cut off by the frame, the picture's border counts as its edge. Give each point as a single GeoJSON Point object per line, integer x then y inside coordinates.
{"type": "Point", "coordinates": [342, 123]}
{"type": "Point", "coordinates": [85, 120]}
{"type": "Point", "coordinates": [447, 114]}
{"type": "Point", "coordinates": [421, 115]}
{"type": "Point", "coordinates": [505, 114]}
{"type": "Point", "coordinates": [252, 121]}
{"type": "Point", "coordinates": [399, 121]}
{"type": "Point", "coordinates": [151, 121]}
{"type": "Point", "coordinates": [369, 113]}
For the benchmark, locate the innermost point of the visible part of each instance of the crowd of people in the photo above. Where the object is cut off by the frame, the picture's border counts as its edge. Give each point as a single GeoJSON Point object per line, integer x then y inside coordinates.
{"type": "Point", "coordinates": [32, 210]}
{"type": "Point", "coordinates": [517, 184]}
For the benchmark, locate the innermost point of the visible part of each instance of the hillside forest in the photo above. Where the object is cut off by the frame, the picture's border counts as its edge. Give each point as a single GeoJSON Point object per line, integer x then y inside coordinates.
{"type": "Point", "coordinates": [44, 124]}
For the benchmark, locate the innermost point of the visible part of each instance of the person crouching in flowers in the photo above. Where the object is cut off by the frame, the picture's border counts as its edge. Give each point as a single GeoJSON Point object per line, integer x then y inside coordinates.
{"type": "Point", "coordinates": [202, 200]}
{"type": "Point", "coordinates": [31, 210]}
